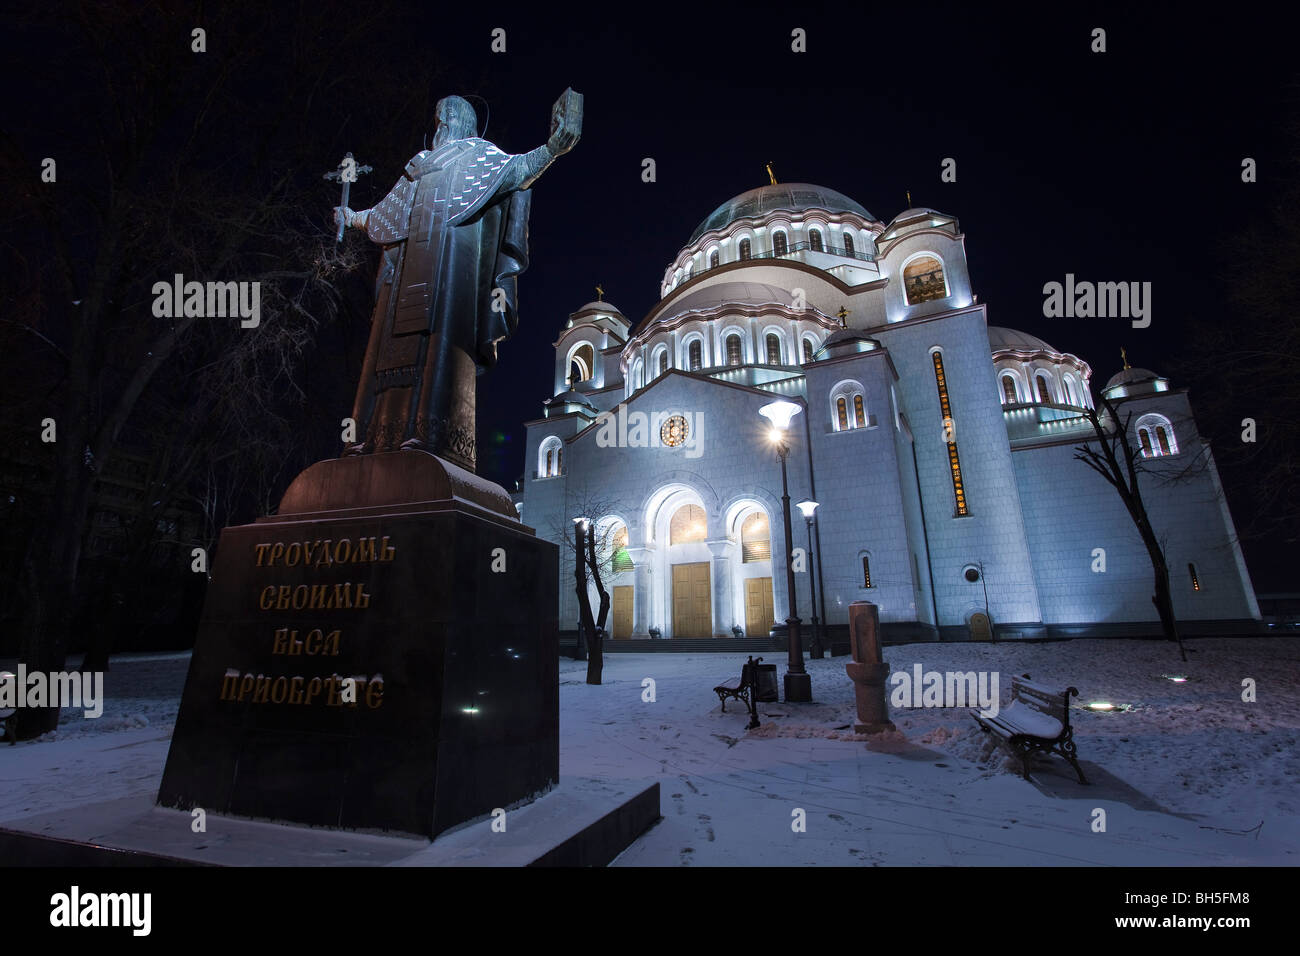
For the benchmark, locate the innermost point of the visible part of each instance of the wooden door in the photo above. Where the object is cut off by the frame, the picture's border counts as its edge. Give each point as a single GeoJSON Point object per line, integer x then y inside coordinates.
{"type": "Point", "coordinates": [692, 600]}
{"type": "Point", "coordinates": [623, 611]}
{"type": "Point", "coordinates": [758, 607]}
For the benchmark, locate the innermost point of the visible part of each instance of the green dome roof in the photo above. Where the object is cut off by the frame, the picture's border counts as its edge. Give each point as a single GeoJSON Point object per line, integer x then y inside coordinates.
{"type": "Point", "coordinates": [795, 197]}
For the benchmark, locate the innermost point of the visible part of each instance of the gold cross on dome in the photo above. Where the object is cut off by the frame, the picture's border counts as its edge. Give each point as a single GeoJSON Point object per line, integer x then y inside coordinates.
{"type": "Point", "coordinates": [600, 294]}
{"type": "Point", "coordinates": [771, 175]}
{"type": "Point", "coordinates": [843, 315]}
{"type": "Point", "coordinates": [1124, 355]}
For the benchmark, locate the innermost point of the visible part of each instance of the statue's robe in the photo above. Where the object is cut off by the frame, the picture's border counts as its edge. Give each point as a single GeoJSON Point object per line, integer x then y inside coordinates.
{"type": "Point", "coordinates": [455, 238]}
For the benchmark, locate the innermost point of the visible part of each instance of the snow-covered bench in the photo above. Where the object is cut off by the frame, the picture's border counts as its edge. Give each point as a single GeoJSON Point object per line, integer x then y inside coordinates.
{"type": "Point", "coordinates": [1038, 718]}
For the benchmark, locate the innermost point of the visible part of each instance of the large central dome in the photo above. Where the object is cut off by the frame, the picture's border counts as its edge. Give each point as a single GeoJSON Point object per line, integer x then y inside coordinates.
{"type": "Point", "coordinates": [793, 196]}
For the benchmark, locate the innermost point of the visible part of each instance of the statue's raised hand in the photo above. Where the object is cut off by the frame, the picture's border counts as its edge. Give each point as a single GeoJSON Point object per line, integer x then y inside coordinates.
{"type": "Point", "coordinates": [566, 123]}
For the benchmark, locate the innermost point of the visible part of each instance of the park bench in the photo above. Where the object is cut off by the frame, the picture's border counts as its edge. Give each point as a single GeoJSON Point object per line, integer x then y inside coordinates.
{"type": "Point", "coordinates": [1037, 719]}
{"type": "Point", "coordinates": [757, 683]}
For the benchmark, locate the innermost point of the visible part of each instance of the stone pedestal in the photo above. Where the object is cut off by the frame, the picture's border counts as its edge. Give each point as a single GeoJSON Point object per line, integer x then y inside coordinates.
{"type": "Point", "coordinates": [381, 654]}
{"type": "Point", "coordinates": [867, 670]}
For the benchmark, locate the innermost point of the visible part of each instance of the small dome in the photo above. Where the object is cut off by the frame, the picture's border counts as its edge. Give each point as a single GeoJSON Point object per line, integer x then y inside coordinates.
{"type": "Point", "coordinates": [919, 212]}
{"type": "Point", "coordinates": [795, 197]}
{"type": "Point", "coordinates": [1135, 381]}
{"type": "Point", "coordinates": [1001, 339]}
{"type": "Point", "coordinates": [599, 306]}
{"type": "Point", "coordinates": [845, 341]}
{"type": "Point", "coordinates": [569, 397]}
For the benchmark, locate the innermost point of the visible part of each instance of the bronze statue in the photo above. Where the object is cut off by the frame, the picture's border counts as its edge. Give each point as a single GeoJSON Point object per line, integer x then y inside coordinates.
{"type": "Point", "coordinates": [454, 231]}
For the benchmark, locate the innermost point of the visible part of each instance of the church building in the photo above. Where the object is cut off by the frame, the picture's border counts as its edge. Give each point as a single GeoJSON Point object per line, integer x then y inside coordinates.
{"type": "Point", "coordinates": [939, 449]}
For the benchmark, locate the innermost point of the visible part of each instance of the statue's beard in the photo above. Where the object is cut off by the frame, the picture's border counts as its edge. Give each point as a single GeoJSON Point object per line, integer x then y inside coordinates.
{"type": "Point", "coordinates": [446, 134]}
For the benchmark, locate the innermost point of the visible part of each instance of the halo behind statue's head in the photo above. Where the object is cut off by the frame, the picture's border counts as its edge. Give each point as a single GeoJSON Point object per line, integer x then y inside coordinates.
{"type": "Point", "coordinates": [458, 116]}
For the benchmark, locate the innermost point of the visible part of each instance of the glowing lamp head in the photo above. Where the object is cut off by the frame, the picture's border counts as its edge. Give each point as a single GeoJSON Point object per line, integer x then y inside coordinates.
{"type": "Point", "coordinates": [580, 521]}
{"type": "Point", "coordinates": [807, 507]}
{"type": "Point", "coordinates": [1101, 705]}
{"type": "Point", "coordinates": [780, 413]}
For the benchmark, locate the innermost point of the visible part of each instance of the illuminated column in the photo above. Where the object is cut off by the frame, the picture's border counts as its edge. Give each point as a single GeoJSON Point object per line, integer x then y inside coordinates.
{"type": "Point", "coordinates": [722, 586]}
{"type": "Point", "coordinates": [641, 596]}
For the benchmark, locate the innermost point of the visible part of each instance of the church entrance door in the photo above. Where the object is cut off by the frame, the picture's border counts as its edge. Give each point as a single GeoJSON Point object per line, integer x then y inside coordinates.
{"type": "Point", "coordinates": [758, 607]}
{"type": "Point", "coordinates": [980, 629]}
{"type": "Point", "coordinates": [692, 600]}
{"type": "Point", "coordinates": [623, 611]}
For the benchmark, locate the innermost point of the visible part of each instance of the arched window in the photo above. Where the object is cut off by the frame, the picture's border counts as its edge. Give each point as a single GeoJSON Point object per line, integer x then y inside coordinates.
{"type": "Point", "coordinates": [550, 458]}
{"type": "Point", "coordinates": [663, 361]}
{"type": "Point", "coordinates": [733, 349]}
{"type": "Point", "coordinates": [1044, 388]}
{"type": "Point", "coordinates": [815, 240]}
{"type": "Point", "coordinates": [713, 259]}
{"type": "Point", "coordinates": [755, 538]}
{"type": "Point", "coordinates": [1008, 390]}
{"type": "Point", "coordinates": [582, 364]}
{"type": "Point", "coordinates": [848, 244]}
{"type": "Point", "coordinates": [687, 524]}
{"type": "Point", "coordinates": [744, 249]}
{"type": "Point", "coordinates": [866, 570]}
{"type": "Point", "coordinates": [923, 280]}
{"type": "Point", "coordinates": [779, 245]}
{"type": "Point", "coordinates": [773, 349]}
{"type": "Point", "coordinates": [694, 353]}
{"type": "Point", "coordinates": [690, 269]}
{"type": "Point", "coordinates": [848, 406]}
{"type": "Point", "coordinates": [1156, 435]}
{"type": "Point", "coordinates": [807, 350]}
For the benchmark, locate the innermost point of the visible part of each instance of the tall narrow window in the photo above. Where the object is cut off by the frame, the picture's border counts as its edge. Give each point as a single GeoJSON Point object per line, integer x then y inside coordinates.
{"type": "Point", "coordinates": [954, 462]}
{"type": "Point", "coordinates": [842, 412]}
{"type": "Point", "coordinates": [744, 249]}
{"type": "Point", "coordinates": [559, 460]}
{"type": "Point", "coordinates": [690, 269]}
{"type": "Point", "coordinates": [733, 349]}
{"type": "Point", "coordinates": [1044, 390]}
{"type": "Point", "coordinates": [694, 352]}
{"type": "Point", "coordinates": [1008, 390]}
{"type": "Point", "coordinates": [621, 560]}
{"type": "Point", "coordinates": [815, 240]}
{"type": "Point", "coordinates": [779, 245]}
{"type": "Point", "coordinates": [848, 244]}
{"type": "Point", "coordinates": [866, 571]}
{"type": "Point", "coordinates": [807, 350]}
{"type": "Point", "coordinates": [859, 413]}
{"type": "Point", "coordinates": [663, 361]}
{"type": "Point", "coordinates": [773, 349]}
{"type": "Point", "coordinates": [1162, 439]}
{"type": "Point", "coordinates": [550, 467]}
{"type": "Point", "coordinates": [1196, 584]}
{"type": "Point", "coordinates": [713, 259]}
{"type": "Point", "coordinates": [1145, 437]}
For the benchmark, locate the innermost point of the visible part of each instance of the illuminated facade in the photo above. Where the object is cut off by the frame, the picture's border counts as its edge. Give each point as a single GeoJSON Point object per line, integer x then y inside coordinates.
{"type": "Point", "coordinates": [940, 449]}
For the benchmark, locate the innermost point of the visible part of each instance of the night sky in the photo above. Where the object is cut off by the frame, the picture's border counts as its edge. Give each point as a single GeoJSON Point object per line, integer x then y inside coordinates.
{"type": "Point", "coordinates": [1118, 166]}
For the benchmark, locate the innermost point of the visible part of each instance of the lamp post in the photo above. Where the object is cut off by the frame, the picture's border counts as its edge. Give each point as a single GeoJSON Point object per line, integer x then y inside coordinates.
{"type": "Point", "coordinates": [808, 508]}
{"type": "Point", "coordinates": [798, 685]}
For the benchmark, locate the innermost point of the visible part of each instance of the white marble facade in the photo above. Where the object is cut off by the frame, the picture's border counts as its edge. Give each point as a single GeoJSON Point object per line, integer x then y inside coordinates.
{"type": "Point", "coordinates": [797, 292]}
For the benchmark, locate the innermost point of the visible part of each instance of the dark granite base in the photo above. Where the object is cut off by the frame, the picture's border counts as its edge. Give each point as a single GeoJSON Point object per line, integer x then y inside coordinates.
{"type": "Point", "coordinates": [456, 708]}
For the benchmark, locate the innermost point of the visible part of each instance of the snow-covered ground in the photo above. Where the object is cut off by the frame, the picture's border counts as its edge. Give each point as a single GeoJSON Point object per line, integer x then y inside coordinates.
{"type": "Point", "coordinates": [1186, 772]}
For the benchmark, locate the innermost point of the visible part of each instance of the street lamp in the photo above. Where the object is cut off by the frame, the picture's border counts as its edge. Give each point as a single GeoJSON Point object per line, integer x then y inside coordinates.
{"type": "Point", "coordinates": [798, 685]}
{"type": "Point", "coordinates": [808, 508]}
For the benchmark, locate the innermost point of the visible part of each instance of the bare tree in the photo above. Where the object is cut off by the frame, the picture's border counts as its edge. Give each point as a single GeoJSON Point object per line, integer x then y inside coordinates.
{"type": "Point", "coordinates": [594, 544]}
{"type": "Point", "coordinates": [1118, 461]}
